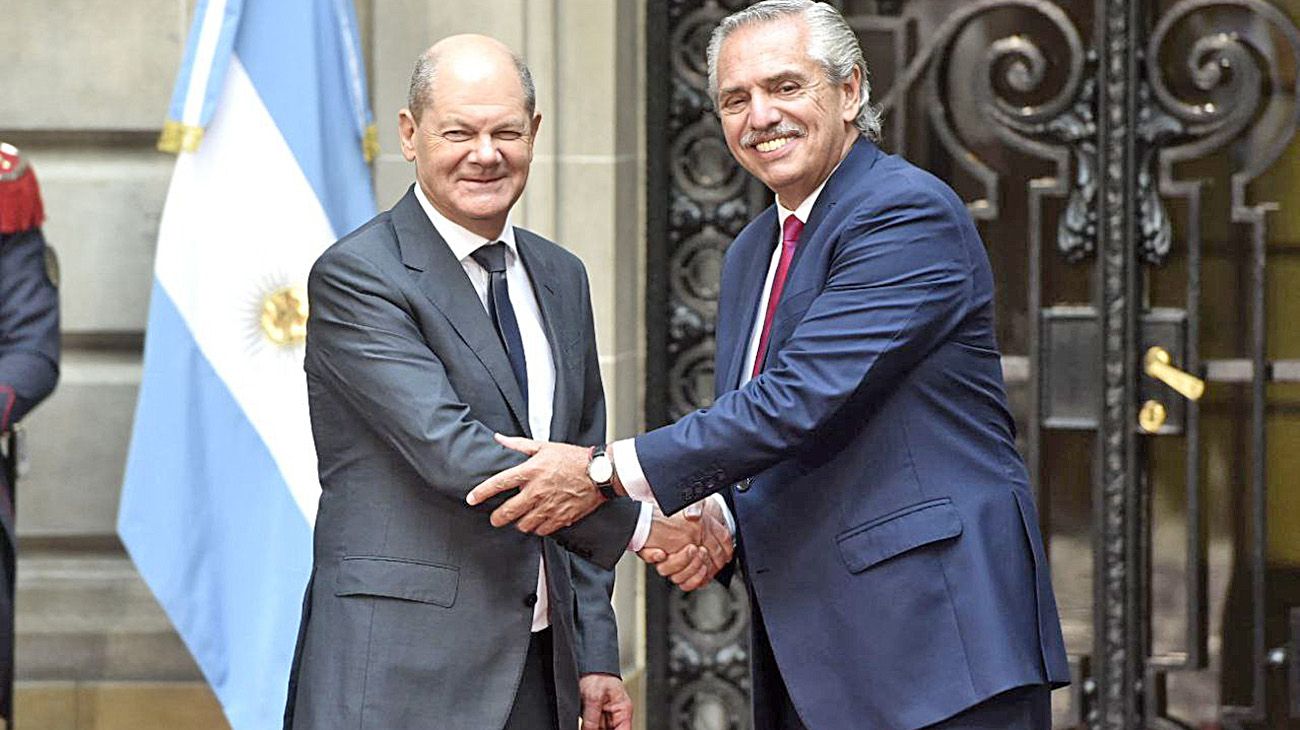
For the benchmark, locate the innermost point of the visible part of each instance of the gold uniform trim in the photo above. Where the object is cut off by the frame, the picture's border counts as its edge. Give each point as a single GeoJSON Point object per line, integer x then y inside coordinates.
{"type": "Point", "coordinates": [177, 137]}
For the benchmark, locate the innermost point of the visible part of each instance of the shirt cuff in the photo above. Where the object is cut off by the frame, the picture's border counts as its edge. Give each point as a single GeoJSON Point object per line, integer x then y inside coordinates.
{"type": "Point", "coordinates": [629, 471]}
{"type": "Point", "coordinates": [642, 531]}
{"type": "Point", "coordinates": [726, 513]}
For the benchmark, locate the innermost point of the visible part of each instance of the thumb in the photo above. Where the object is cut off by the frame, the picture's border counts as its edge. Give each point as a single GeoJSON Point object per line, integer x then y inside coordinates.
{"type": "Point", "coordinates": [518, 443]}
{"type": "Point", "coordinates": [653, 555]}
{"type": "Point", "coordinates": [591, 715]}
{"type": "Point", "coordinates": [693, 511]}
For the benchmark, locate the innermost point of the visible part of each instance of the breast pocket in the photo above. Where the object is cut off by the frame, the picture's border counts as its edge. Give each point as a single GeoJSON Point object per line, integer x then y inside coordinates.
{"type": "Point", "coordinates": [880, 539]}
{"type": "Point", "coordinates": [403, 579]}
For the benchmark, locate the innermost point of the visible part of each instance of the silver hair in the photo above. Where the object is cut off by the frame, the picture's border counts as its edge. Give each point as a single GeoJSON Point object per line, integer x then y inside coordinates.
{"type": "Point", "coordinates": [831, 43]}
{"type": "Point", "coordinates": [420, 94]}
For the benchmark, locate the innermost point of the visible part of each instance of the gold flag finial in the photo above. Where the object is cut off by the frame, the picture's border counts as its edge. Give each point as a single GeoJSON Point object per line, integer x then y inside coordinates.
{"type": "Point", "coordinates": [177, 137]}
{"type": "Point", "coordinates": [370, 143]}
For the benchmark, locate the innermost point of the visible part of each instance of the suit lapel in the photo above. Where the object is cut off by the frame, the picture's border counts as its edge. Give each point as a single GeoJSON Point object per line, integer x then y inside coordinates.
{"type": "Point", "coordinates": [756, 244]}
{"type": "Point", "coordinates": [851, 173]}
{"type": "Point", "coordinates": [861, 158]}
{"type": "Point", "coordinates": [444, 282]}
{"type": "Point", "coordinates": [559, 329]}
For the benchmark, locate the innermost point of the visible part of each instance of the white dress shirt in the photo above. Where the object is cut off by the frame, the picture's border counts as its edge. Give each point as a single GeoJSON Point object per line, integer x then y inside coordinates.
{"type": "Point", "coordinates": [537, 351]}
{"type": "Point", "coordinates": [624, 452]}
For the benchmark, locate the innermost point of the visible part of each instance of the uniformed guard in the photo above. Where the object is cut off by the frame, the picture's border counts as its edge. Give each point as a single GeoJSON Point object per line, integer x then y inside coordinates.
{"type": "Point", "coordinates": [29, 360]}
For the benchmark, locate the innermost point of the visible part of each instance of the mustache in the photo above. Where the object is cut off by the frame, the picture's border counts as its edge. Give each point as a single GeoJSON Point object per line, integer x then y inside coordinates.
{"type": "Point", "coordinates": [759, 136]}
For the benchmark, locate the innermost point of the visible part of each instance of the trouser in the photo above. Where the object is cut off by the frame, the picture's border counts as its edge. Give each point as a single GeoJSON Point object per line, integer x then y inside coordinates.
{"type": "Point", "coordinates": [534, 707]}
{"type": "Point", "coordinates": [1022, 708]}
{"type": "Point", "coordinates": [773, 708]}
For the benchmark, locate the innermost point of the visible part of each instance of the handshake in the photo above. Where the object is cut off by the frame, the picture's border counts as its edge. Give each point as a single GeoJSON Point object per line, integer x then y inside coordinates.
{"type": "Point", "coordinates": [688, 548]}
{"type": "Point", "coordinates": [691, 547]}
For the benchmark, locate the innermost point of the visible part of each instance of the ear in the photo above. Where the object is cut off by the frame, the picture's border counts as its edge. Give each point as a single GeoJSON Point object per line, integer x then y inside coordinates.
{"type": "Point", "coordinates": [535, 125]}
{"type": "Point", "coordinates": [852, 95]}
{"type": "Point", "coordinates": [406, 133]}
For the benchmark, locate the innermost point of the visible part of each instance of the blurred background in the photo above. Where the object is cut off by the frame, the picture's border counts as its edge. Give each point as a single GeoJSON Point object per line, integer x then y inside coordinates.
{"type": "Point", "coordinates": [1133, 170]}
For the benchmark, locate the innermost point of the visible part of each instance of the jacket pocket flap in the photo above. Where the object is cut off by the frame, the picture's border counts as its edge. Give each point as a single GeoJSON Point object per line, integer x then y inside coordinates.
{"type": "Point", "coordinates": [393, 578]}
{"type": "Point", "coordinates": [911, 527]}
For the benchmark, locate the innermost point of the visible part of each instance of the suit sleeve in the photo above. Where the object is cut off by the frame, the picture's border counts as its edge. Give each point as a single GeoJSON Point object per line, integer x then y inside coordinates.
{"type": "Point", "coordinates": [593, 587]}
{"type": "Point", "coordinates": [363, 343]}
{"type": "Point", "coordinates": [29, 326]}
{"type": "Point", "coordinates": [898, 284]}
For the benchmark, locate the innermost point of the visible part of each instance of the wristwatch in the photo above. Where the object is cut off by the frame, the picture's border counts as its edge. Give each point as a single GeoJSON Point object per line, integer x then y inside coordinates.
{"type": "Point", "coordinates": [600, 470]}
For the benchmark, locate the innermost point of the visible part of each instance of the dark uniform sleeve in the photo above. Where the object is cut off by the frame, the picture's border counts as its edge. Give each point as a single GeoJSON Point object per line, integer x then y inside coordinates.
{"type": "Point", "coordinates": [29, 300]}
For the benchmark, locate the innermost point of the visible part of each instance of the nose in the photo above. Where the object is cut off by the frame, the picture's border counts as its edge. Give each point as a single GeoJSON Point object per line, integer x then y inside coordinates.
{"type": "Point", "coordinates": [762, 112]}
{"type": "Point", "coordinates": [485, 151]}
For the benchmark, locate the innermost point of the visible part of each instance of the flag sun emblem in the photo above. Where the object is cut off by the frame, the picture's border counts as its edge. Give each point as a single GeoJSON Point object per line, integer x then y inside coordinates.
{"type": "Point", "coordinates": [280, 316]}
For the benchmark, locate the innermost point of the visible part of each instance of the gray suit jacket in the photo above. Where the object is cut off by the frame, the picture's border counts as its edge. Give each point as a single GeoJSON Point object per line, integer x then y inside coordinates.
{"type": "Point", "coordinates": [418, 611]}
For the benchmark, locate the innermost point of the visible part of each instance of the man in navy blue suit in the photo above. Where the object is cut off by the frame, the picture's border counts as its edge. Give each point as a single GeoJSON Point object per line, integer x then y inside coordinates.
{"type": "Point", "coordinates": [861, 434]}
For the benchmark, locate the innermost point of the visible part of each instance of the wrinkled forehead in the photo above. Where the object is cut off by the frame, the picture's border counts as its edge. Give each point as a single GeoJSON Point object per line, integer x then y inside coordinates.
{"type": "Point", "coordinates": [481, 92]}
{"type": "Point", "coordinates": [761, 53]}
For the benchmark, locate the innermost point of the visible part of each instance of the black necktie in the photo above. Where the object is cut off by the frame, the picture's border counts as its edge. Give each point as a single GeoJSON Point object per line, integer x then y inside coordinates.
{"type": "Point", "coordinates": [492, 256]}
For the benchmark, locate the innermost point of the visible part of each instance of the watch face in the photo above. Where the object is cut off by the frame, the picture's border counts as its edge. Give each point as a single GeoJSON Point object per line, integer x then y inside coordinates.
{"type": "Point", "coordinates": [601, 469]}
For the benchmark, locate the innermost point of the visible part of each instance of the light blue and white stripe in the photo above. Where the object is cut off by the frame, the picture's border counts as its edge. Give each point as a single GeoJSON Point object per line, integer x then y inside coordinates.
{"type": "Point", "coordinates": [221, 486]}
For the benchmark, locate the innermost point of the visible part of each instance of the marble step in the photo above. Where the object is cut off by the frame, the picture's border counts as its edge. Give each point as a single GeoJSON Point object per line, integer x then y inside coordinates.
{"type": "Point", "coordinates": [116, 706]}
{"type": "Point", "coordinates": [86, 615]}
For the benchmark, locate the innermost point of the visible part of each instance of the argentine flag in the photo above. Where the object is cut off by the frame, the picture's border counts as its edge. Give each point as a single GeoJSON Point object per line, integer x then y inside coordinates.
{"type": "Point", "coordinates": [273, 131]}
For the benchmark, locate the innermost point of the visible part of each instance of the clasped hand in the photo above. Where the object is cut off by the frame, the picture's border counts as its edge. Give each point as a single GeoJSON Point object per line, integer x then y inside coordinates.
{"type": "Point", "coordinates": [691, 547]}
{"type": "Point", "coordinates": [554, 492]}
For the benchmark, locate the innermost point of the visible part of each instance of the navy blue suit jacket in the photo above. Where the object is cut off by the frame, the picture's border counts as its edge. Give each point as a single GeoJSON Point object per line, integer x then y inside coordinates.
{"type": "Point", "coordinates": [888, 532]}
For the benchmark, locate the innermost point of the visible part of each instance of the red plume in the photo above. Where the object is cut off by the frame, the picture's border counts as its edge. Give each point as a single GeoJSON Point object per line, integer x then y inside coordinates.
{"type": "Point", "coordinates": [20, 197]}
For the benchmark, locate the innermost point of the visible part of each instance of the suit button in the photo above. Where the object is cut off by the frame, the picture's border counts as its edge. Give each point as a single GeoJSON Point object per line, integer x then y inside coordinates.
{"type": "Point", "coordinates": [530, 600]}
{"type": "Point", "coordinates": [742, 485]}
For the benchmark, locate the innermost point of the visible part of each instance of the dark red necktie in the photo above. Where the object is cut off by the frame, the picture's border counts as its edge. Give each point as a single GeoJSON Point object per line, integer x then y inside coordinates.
{"type": "Point", "coordinates": [790, 231]}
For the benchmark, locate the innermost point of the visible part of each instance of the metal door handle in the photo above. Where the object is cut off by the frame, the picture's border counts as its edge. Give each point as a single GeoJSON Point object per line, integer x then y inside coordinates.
{"type": "Point", "coordinates": [1156, 364]}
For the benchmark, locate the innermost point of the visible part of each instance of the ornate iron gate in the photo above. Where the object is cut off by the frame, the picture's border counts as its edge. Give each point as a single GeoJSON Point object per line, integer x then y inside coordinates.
{"type": "Point", "coordinates": [1129, 164]}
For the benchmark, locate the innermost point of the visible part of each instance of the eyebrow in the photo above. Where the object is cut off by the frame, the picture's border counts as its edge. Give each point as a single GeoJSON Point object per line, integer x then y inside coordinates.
{"type": "Point", "coordinates": [790, 75]}
{"type": "Point", "coordinates": [512, 125]}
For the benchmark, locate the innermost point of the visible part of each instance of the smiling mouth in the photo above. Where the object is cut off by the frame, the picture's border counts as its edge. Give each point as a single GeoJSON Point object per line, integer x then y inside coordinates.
{"type": "Point", "coordinates": [772, 145]}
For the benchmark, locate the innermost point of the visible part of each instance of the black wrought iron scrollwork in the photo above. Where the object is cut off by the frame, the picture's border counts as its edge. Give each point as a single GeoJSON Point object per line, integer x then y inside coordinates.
{"type": "Point", "coordinates": [1076, 229]}
{"type": "Point", "coordinates": [1113, 106]}
{"type": "Point", "coordinates": [1021, 65]}
{"type": "Point", "coordinates": [710, 198]}
{"type": "Point", "coordinates": [1117, 648]}
{"type": "Point", "coordinates": [1061, 129]}
{"type": "Point", "coordinates": [1228, 65]}
{"type": "Point", "coordinates": [1240, 95]}
{"type": "Point", "coordinates": [1155, 129]}
{"type": "Point", "coordinates": [709, 659]}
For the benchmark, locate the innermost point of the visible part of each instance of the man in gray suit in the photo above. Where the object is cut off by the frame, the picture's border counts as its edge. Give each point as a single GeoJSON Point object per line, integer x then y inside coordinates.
{"type": "Point", "coordinates": [433, 326]}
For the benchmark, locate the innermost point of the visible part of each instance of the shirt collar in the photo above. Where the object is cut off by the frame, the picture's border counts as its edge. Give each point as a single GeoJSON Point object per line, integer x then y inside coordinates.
{"type": "Point", "coordinates": [805, 208]}
{"type": "Point", "coordinates": [461, 240]}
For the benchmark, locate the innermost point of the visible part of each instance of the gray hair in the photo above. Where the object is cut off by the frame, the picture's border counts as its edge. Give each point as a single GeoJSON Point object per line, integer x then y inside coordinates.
{"type": "Point", "coordinates": [831, 43]}
{"type": "Point", "coordinates": [420, 95]}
